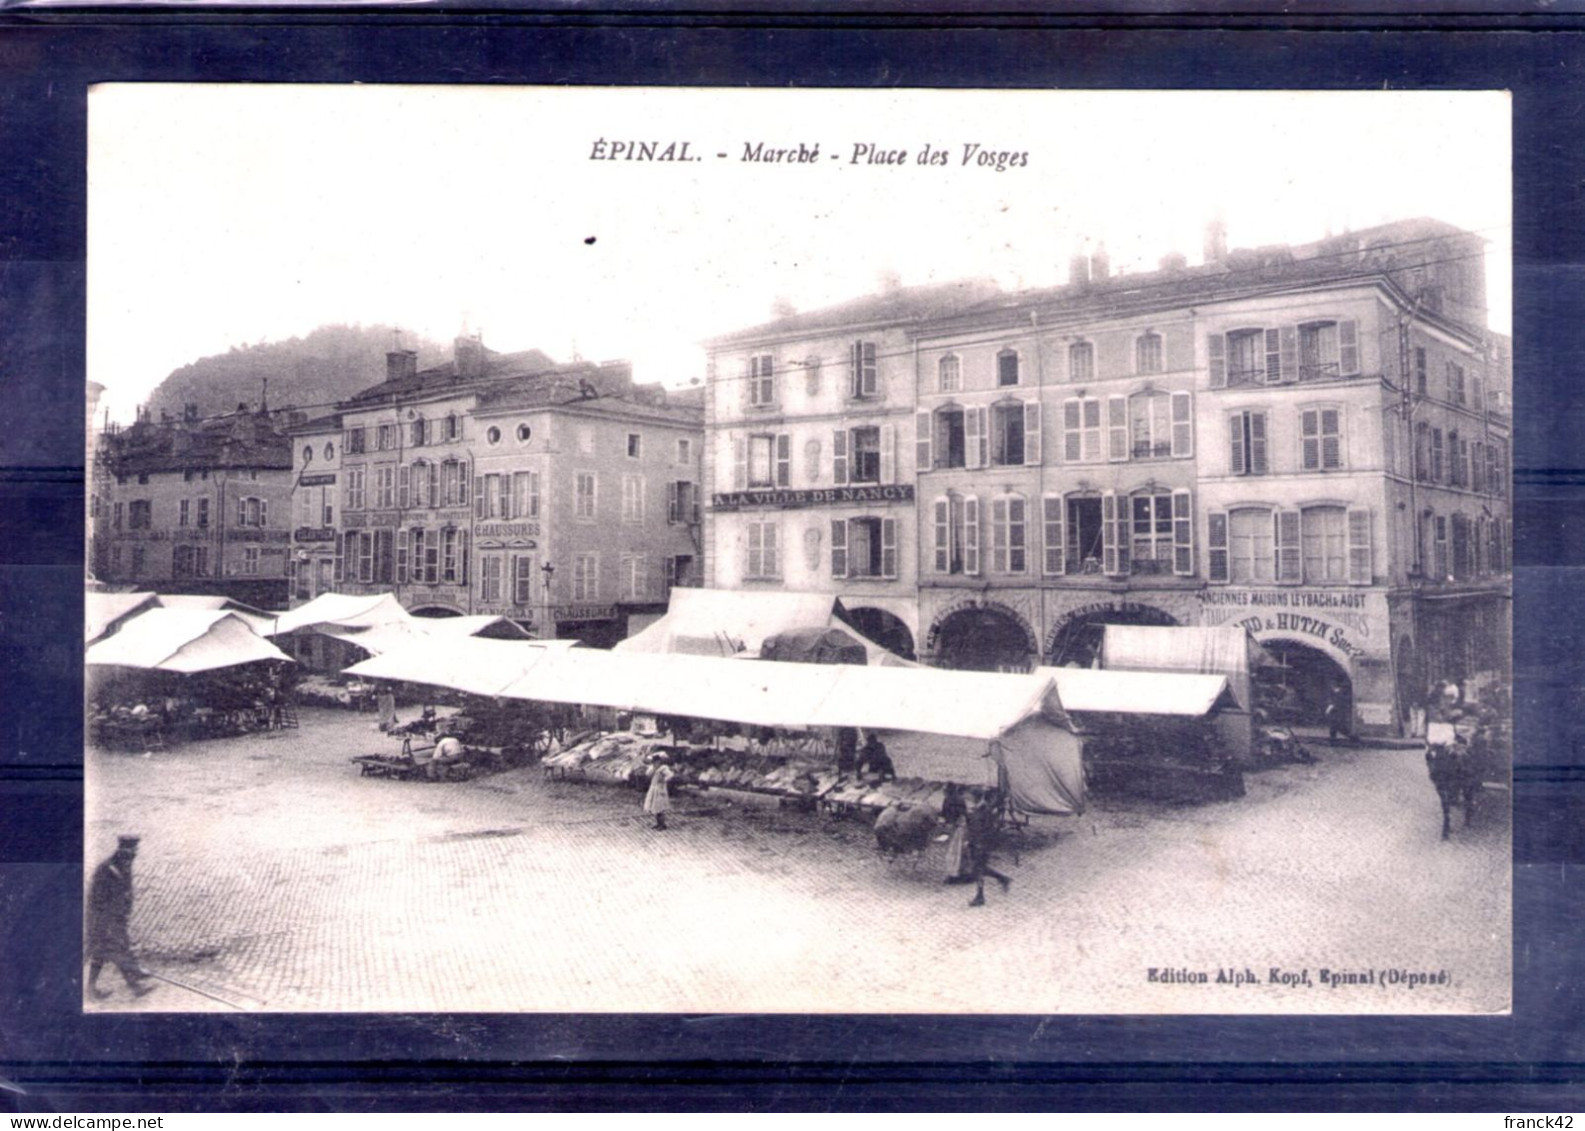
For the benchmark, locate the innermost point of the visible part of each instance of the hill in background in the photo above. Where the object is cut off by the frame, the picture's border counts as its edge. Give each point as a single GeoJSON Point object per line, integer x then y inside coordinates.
{"type": "Point", "coordinates": [312, 373]}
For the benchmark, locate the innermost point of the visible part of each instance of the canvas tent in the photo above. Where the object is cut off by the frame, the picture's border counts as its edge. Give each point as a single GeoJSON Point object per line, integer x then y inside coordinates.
{"type": "Point", "coordinates": [1222, 650]}
{"type": "Point", "coordinates": [343, 611]}
{"type": "Point", "coordinates": [1090, 690]}
{"type": "Point", "coordinates": [726, 623]}
{"type": "Point", "coordinates": [956, 718]}
{"type": "Point", "coordinates": [102, 612]}
{"type": "Point", "coordinates": [258, 620]}
{"type": "Point", "coordinates": [471, 664]}
{"type": "Point", "coordinates": [184, 641]}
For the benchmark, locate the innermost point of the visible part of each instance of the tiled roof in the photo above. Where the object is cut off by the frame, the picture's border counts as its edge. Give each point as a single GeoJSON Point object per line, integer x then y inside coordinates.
{"type": "Point", "coordinates": [444, 376]}
{"type": "Point", "coordinates": [906, 304]}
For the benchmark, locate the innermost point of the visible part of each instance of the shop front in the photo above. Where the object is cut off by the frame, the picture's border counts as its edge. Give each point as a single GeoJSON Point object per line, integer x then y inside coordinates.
{"type": "Point", "coordinates": [1328, 653]}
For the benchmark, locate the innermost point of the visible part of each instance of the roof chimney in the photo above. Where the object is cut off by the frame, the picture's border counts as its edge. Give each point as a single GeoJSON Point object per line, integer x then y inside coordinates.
{"type": "Point", "coordinates": [1100, 264]}
{"type": "Point", "coordinates": [468, 351]}
{"type": "Point", "coordinates": [401, 364]}
{"type": "Point", "coordinates": [1216, 241]}
{"type": "Point", "coordinates": [1174, 261]}
{"type": "Point", "coordinates": [1079, 270]}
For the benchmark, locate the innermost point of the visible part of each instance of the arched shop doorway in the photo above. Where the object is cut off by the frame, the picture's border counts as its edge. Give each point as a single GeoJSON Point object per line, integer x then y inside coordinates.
{"type": "Point", "coordinates": [1296, 682]}
{"type": "Point", "coordinates": [1076, 640]}
{"type": "Point", "coordinates": [885, 629]}
{"type": "Point", "coordinates": [984, 639]}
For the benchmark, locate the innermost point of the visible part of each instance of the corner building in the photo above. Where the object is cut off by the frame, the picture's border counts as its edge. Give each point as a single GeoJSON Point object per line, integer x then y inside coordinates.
{"type": "Point", "coordinates": [1311, 441]}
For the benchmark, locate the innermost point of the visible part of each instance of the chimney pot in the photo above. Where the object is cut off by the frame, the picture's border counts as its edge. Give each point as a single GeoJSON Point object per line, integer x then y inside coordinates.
{"type": "Point", "coordinates": [401, 364]}
{"type": "Point", "coordinates": [1079, 270]}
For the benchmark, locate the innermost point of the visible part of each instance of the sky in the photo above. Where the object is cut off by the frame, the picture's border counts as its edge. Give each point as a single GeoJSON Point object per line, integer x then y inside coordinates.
{"type": "Point", "coordinates": [225, 215]}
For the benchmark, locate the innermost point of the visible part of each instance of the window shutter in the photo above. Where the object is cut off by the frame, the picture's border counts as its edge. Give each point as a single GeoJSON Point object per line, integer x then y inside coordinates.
{"type": "Point", "coordinates": [971, 535]}
{"type": "Point", "coordinates": [242, 512]}
{"type": "Point", "coordinates": [1109, 533]}
{"type": "Point", "coordinates": [974, 437]}
{"type": "Point", "coordinates": [1182, 533]}
{"type": "Point", "coordinates": [783, 460]}
{"type": "Point", "coordinates": [1273, 341]}
{"type": "Point", "coordinates": [340, 545]}
{"type": "Point", "coordinates": [1348, 347]}
{"type": "Point", "coordinates": [691, 511]}
{"type": "Point", "coordinates": [754, 551]}
{"type": "Point", "coordinates": [464, 471]}
{"type": "Point", "coordinates": [1331, 438]}
{"type": "Point", "coordinates": [1290, 353]}
{"type": "Point", "coordinates": [1116, 428]}
{"type": "Point", "coordinates": [1054, 544]}
{"type": "Point", "coordinates": [403, 479]}
{"type": "Point", "coordinates": [941, 513]}
{"type": "Point", "coordinates": [1032, 451]}
{"type": "Point", "coordinates": [671, 502]}
{"type": "Point", "coordinates": [264, 512]}
{"type": "Point", "coordinates": [1072, 431]}
{"type": "Point", "coordinates": [1290, 566]}
{"type": "Point", "coordinates": [888, 547]}
{"type": "Point", "coordinates": [888, 453]}
{"type": "Point", "coordinates": [1182, 424]}
{"type": "Point", "coordinates": [867, 360]}
{"type": "Point", "coordinates": [401, 557]}
{"type": "Point", "coordinates": [1257, 443]}
{"type": "Point", "coordinates": [839, 548]}
{"type": "Point", "coordinates": [1359, 563]}
{"type": "Point", "coordinates": [478, 498]}
{"type": "Point", "coordinates": [1237, 424]}
{"type": "Point", "coordinates": [839, 457]}
{"type": "Point", "coordinates": [1216, 355]}
{"type": "Point", "coordinates": [1310, 439]}
{"type": "Point", "coordinates": [739, 463]}
{"type": "Point", "coordinates": [855, 369]}
{"type": "Point", "coordinates": [1216, 546]}
{"type": "Point", "coordinates": [924, 433]}
{"type": "Point", "coordinates": [1017, 534]}
{"type": "Point", "coordinates": [999, 534]}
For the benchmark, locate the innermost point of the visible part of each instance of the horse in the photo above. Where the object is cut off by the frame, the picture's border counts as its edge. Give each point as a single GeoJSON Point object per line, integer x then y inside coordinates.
{"type": "Point", "coordinates": [1456, 776]}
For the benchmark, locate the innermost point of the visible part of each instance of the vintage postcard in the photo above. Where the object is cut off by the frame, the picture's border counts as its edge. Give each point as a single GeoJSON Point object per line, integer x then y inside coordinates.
{"type": "Point", "coordinates": [765, 551]}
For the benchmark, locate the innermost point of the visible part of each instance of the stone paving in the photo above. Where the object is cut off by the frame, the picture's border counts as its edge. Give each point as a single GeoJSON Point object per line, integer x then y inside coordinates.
{"type": "Point", "coordinates": [273, 877]}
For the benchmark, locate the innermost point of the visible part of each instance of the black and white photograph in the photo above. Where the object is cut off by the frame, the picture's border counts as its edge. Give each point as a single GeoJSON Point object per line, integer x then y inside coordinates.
{"type": "Point", "coordinates": [765, 551]}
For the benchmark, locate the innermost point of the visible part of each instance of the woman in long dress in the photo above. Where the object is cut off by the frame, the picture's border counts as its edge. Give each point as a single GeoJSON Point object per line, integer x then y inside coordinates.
{"type": "Point", "coordinates": [658, 800]}
{"type": "Point", "coordinates": [955, 813]}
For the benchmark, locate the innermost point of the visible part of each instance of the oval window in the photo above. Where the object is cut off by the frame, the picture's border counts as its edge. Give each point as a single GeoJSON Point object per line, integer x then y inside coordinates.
{"type": "Point", "coordinates": [523, 433]}
{"type": "Point", "coordinates": [493, 435]}
{"type": "Point", "coordinates": [308, 455]}
{"type": "Point", "coordinates": [330, 451]}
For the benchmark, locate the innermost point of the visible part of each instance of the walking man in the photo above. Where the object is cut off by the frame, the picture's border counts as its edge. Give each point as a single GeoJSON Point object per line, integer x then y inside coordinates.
{"type": "Point", "coordinates": [109, 913]}
{"type": "Point", "coordinates": [981, 828]}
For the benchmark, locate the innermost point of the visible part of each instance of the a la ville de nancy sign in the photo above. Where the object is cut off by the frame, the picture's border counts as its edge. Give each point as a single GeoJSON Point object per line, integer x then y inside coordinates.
{"type": "Point", "coordinates": [788, 499]}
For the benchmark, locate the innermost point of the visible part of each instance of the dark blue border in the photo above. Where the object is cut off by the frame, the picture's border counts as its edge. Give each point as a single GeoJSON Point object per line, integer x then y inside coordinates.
{"type": "Point", "coordinates": [66, 1062]}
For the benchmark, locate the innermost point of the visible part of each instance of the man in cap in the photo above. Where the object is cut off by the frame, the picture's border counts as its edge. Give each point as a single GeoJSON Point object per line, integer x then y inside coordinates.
{"type": "Point", "coordinates": [109, 913]}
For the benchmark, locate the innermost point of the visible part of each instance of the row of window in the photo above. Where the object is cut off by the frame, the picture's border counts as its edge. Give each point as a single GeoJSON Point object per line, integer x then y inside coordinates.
{"type": "Point", "coordinates": [421, 484]}
{"type": "Point", "coordinates": [1454, 461]}
{"type": "Point", "coordinates": [1457, 387]}
{"type": "Point", "coordinates": [139, 513]}
{"type": "Point", "coordinates": [1148, 532]}
{"type": "Point", "coordinates": [761, 380]}
{"type": "Point", "coordinates": [1458, 548]}
{"type": "Point", "coordinates": [1310, 351]}
{"type": "Point", "coordinates": [387, 437]}
{"type": "Point", "coordinates": [187, 560]}
{"type": "Point", "coordinates": [1320, 441]}
{"type": "Point", "coordinates": [429, 556]}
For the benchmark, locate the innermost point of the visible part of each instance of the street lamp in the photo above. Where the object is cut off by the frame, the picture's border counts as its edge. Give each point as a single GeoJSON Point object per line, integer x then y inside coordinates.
{"type": "Point", "coordinates": [548, 629]}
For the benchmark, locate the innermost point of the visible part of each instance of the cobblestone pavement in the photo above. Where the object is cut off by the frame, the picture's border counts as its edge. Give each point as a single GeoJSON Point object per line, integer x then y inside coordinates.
{"type": "Point", "coordinates": [272, 876]}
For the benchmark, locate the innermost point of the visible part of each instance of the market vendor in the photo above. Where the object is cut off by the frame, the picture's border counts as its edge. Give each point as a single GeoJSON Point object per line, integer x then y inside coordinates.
{"type": "Point", "coordinates": [847, 750]}
{"type": "Point", "coordinates": [873, 760]}
{"type": "Point", "coordinates": [448, 752]}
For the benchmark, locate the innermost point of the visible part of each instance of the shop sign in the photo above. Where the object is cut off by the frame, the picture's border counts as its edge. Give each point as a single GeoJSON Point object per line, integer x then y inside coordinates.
{"type": "Point", "coordinates": [1295, 610]}
{"type": "Point", "coordinates": [323, 479]}
{"type": "Point", "coordinates": [583, 612]}
{"type": "Point", "coordinates": [507, 530]}
{"type": "Point", "coordinates": [314, 534]}
{"type": "Point", "coordinates": [372, 518]}
{"type": "Point", "coordinates": [786, 499]}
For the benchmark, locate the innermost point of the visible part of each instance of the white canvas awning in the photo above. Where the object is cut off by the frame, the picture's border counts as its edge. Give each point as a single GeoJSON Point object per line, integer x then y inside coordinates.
{"type": "Point", "coordinates": [1220, 649]}
{"type": "Point", "coordinates": [1139, 693]}
{"type": "Point", "coordinates": [101, 611]}
{"type": "Point", "coordinates": [258, 620]}
{"type": "Point", "coordinates": [343, 610]}
{"type": "Point", "coordinates": [477, 666]}
{"type": "Point", "coordinates": [397, 635]}
{"type": "Point", "coordinates": [183, 640]}
{"type": "Point", "coordinates": [726, 622]}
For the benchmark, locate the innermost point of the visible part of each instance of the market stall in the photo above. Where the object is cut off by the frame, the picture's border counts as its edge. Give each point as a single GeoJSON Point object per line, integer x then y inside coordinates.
{"type": "Point", "coordinates": [169, 673]}
{"type": "Point", "coordinates": [1148, 730]}
{"type": "Point", "coordinates": [1225, 650]}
